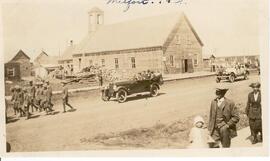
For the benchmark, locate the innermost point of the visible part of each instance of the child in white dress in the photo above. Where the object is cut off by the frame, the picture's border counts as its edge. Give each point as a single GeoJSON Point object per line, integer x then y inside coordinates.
{"type": "Point", "coordinates": [198, 136]}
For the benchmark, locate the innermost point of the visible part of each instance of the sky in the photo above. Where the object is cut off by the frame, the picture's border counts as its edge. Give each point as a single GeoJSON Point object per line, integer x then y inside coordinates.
{"type": "Point", "coordinates": [226, 27]}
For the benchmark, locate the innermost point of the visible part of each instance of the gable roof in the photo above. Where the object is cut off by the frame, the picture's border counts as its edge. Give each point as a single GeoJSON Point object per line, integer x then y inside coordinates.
{"type": "Point", "coordinates": [193, 30]}
{"type": "Point", "coordinates": [207, 56]}
{"type": "Point", "coordinates": [19, 55]}
{"type": "Point", "coordinates": [134, 34]}
{"type": "Point", "coordinates": [40, 56]}
{"type": "Point", "coordinates": [67, 54]}
{"type": "Point", "coordinates": [44, 59]}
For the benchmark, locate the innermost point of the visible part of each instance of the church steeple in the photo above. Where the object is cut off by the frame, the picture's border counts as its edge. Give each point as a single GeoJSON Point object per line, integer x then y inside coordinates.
{"type": "Point", "coordinates": [96, 19]}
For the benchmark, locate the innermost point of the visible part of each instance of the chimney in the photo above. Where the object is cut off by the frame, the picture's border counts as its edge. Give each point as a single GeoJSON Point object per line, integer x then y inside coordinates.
{"type": "Point", "coordinates": [96, 19]}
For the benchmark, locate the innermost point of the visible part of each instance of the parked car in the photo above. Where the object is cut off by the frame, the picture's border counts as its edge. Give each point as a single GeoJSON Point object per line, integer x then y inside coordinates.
{"type": "Point", "coordinates": [122, 89]}
{"type": "Point", "coordinates": [232, 73]}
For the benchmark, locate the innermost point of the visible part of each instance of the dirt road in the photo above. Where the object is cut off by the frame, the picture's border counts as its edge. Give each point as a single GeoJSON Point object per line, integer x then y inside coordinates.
{"type": "Point", "coordinates": [177, 100]}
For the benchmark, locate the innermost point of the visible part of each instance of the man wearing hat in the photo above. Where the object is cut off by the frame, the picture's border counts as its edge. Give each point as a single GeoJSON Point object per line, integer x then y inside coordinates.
{"type": "Point", "coordinates": [254, 111]}
{"type": "Point", "coordinates": [26, 102]}
{"type": "Point", "coordinates": [13, 95]}
{"type": "Point", "coordinates": [47, 102]}
{"type": "Point", "coordinates": [222, 119]}
{"type": "Point", "coordinates": [49, 93]}
{"type": "Point", "coordinates": [19, 100]}
{"type": "Point", "coordinates": [65, 96]}
{"type": "Point", "coordinates": [38, 95]}
{"type": "Point", "coordinates": [32, 93]}
{"type": "Point", "coordinates": [43, 98]}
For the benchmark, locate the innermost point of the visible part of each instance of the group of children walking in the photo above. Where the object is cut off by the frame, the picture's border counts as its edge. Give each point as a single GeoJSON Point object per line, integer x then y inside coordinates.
{"type": "Point", "coordinates": [32, 97]}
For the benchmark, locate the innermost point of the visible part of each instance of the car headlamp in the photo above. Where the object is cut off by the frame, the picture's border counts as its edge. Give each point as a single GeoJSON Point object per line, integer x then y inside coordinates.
{"type": "Point", "coordinates": [114, 87]}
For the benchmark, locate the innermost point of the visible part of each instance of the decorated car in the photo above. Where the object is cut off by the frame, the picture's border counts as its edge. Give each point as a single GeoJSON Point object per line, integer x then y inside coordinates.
{"type": "Point", "coordinates": [120, 90]}
{"type": "Point", "coordinates": [232, 73]}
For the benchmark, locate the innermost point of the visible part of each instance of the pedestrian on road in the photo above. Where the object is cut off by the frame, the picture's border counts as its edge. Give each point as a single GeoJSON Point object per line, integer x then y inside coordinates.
{"type": "Point", "coordinates": [26, 102]}
{"type": "Point", "coordinates": [65, 96]}
{"type": "Point", "coordinates": [42, 96]}
{"type": "Point", "coordinates": [32, 93]}
{"type": "Point", "coordinates": [222, 119]}
{"type": "Point", "coordinates": [19, 101]}
{"type": "Point", "coordinates": [49, 94]}
{"type": "Point", "coordinates": [47, 102]}
{"type": "Point", "coordinates": [254, 112]}
{"type": "Point", "coordinates": [38, 94]}
{"type": "Point", "coordinates": [13, 95]}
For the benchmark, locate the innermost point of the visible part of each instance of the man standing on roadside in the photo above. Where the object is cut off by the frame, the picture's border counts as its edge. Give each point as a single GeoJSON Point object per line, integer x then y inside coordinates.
{"type": "Point", "coordinates": [222, 119]}
{"type": "Point", "coordinates": [254, 112]}
{"type": "Point", "coordinates": [65, 96]}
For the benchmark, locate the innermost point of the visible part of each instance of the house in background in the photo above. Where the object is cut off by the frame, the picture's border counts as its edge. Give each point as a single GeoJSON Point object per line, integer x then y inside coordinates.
{"type": "Point", "coordinates": [166, 43]}
{"type": "Point", "coordinates": [208, 63]}
{"type": "Point", "coordinates": [45, 64]}
{"type": "Point", "coordinates": [250, 60]}
{"type": "Point", "coordinates": [44, 59]}
{"type": "Point", "coordinates": [211, 63]}
{"type": "Point", "coordinates": [18, 67]}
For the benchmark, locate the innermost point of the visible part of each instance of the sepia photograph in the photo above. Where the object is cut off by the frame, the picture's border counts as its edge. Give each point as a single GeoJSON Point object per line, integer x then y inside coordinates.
{"type": "Point", "coordinates": [114, 75]}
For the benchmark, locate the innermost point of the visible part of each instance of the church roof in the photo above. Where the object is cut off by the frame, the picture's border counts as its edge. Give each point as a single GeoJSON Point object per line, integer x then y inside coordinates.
{"type": "Point", "coordinates": [134, 34]}
{"type": "Point", "coordinates": [67, 54]}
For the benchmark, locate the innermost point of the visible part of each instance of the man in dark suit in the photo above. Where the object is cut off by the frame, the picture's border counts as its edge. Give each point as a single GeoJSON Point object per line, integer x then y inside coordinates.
{"type": "Point", "coordinates": [65, 97]}
{"type": "Point", "coordinates": [254, 111]}
{"type": "Point", "coordinates": [32, 93]}
{"type": "Point", "coordinates": [222, 119]}
{"type": "Point", "coordinates": [49, 94]}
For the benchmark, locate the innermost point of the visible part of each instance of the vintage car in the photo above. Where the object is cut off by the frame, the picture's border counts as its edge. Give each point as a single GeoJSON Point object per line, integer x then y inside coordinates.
{"type": "Point", "coordinates": [232, 73]}
{"type": "Point", "coordinates": [122, 89]}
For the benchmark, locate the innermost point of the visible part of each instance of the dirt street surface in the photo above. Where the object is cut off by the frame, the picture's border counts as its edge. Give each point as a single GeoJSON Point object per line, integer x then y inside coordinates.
{"type": "Point", "coordinates": [142, 122]}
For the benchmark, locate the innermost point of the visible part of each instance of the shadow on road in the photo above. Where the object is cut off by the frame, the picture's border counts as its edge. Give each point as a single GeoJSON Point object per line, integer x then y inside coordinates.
{"type": "Point", "coordinates": [72, 110]}
{"type": "Point", "coordinates": [12, 120]}
{"type": "Point", "coordinates": [34, 116]}
{"type": "Point", "coordinates": [139, 96]}
{"type": "Point", "coordinates": [227, 81]}
{"type": "Point", "coordinates": [55, 113]}
{"type": "Point", "coordinates": [259, 138]}
{"type": "Point", "coordinates": [249, 138]}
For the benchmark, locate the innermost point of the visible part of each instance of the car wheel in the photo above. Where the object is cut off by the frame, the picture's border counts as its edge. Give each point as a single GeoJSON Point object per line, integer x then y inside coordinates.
{"type": "Point", "coordinates": [232, 78]}
{"type": "Point", "coordinates": [121, 96]}
{"type": "Point", "coordinates": [218, 80]}
{"type": "Point", "coordinates": [154, 91]}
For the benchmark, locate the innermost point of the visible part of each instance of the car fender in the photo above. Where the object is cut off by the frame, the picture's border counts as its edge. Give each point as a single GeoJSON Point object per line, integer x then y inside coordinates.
{"type": "Point", "coordinates": [121, 87]}
{"type": "Point", "coordinates": [154, 84]}
{"type": "Point", "coordinates": [233, 74]}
